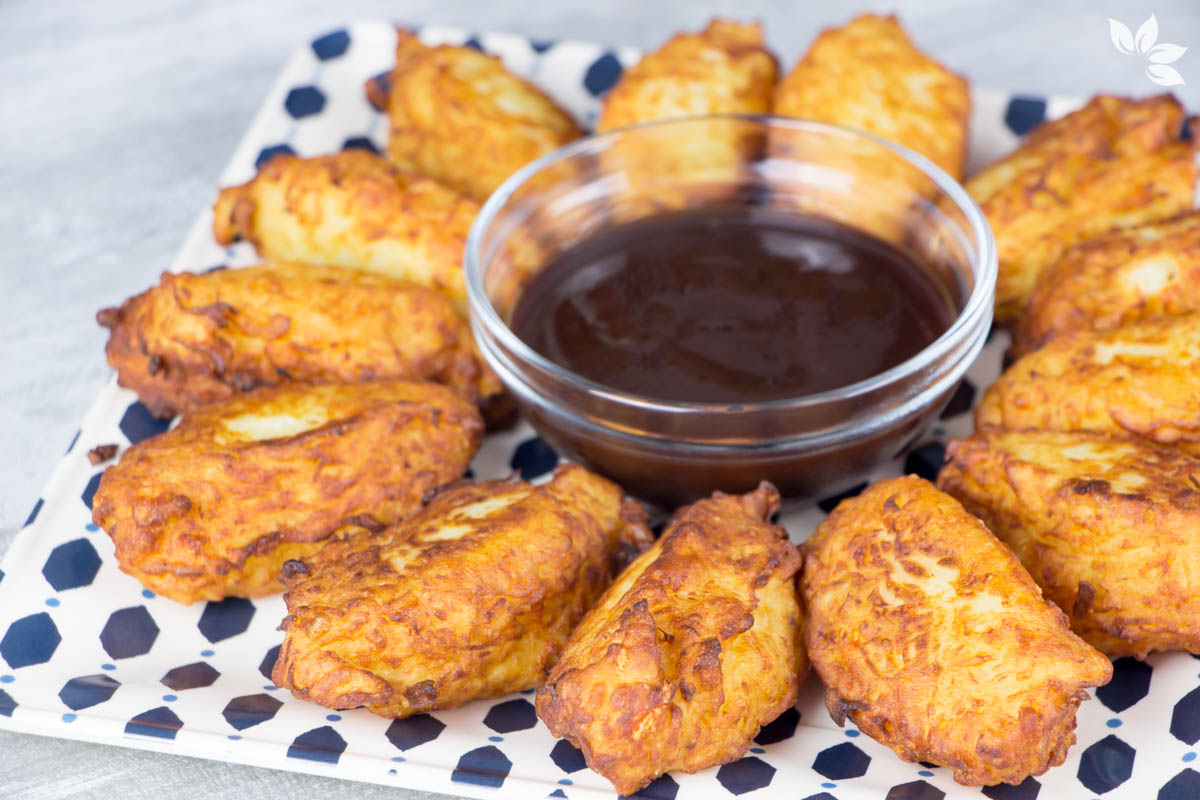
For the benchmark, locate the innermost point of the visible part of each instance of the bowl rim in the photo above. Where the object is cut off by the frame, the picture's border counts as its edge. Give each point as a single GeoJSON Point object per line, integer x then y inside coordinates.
{"type": "Point", "coordinates": [979, 302]}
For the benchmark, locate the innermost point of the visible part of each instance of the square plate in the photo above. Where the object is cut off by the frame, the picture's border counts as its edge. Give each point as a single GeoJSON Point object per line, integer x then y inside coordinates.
{"type": "Point", "coordinates": [86, 653]}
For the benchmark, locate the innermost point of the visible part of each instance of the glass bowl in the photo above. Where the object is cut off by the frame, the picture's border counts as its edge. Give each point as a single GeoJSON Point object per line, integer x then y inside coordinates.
{"type": "Point", "coordinates": [670, 453]}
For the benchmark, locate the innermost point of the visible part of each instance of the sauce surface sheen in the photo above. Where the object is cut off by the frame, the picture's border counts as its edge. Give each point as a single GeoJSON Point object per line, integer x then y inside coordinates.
{"type": "Point", "coordinates": [730, 306]}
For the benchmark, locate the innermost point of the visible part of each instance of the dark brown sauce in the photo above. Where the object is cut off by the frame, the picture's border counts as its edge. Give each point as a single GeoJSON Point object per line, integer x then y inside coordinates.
{"type": "Point", "coordinates": [730, 306]}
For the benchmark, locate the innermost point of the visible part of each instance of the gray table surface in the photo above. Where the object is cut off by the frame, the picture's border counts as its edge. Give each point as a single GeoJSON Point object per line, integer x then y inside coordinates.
{"type": "Point", "coordinates": [118, 117]}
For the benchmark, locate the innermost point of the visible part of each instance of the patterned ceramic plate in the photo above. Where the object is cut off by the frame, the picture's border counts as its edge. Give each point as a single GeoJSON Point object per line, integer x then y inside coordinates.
{"type": "Point", "coordinates": [85, 653]}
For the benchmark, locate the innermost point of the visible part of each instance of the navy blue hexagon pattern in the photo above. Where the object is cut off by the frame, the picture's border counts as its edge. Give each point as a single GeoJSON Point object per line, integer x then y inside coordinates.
{"type": "Point", "coordinates": [745, 775]}
{"type": "Point", "coordinates": [227, 618]}
{"type": "Point", "coordinates": [129, 632]}
{"type": "Point", "coordinates": [1106, 764]}
{"type": "Point", "coordinates": [72, 565]}
{"type": "Point", "coordinates": [483, 766]}
{"type": "Point", "coordinates": [414, 731]}
{"type": "Point", "coordinates": [30, 640]}
{"type": "Point", "coordinates": [250, 710]}
{"type": "Point", "coordinates": [190, 676]}
{"type": "Point", "coordinates": [320, 744]}
{"type": "Point", "coordinates": [79, 639]}
{"type": "Point", "coordinates": [87, 691]}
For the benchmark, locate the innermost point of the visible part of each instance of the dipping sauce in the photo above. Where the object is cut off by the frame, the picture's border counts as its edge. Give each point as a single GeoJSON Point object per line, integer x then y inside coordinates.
{"type": "Point", "coordinates": [732, 305]}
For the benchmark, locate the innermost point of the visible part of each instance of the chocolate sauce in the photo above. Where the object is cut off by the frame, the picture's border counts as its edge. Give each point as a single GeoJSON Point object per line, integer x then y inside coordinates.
{"type": "Point", "coordinates": [731, 306]}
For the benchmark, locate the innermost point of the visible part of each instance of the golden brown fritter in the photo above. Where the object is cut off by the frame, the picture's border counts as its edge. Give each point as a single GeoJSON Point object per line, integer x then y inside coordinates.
{"type": "Point", "coordinates": [690, 652]}
{"type": "Point", "coordinates": [471, 597]}
{"type": "Point", "coordinates": [724, 69]}
{"type": "Point", "coordinates": [195, 339]}
{"type": "Point", "coordinates": [1141, 379]}
{"type": "Point", "coordinates": [868, 75]}
{"type": "Point", "coordinates": [1114, 163]}
{"type": "Point", "coordinates": [1110, 529]}
{"type": "Point", "coordinates": [352, 209]}
{"type": "Point", "coordinates": [1116, 278]}
{"type": "Point", "coordinates": [929, 634]}
{"type": "Point", "coordinates": [213, 507]}
{"type": "Point", "coordinates": [458, 116]}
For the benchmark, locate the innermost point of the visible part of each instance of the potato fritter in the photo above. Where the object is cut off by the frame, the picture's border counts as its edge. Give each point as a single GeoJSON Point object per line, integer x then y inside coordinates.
{"type": "Point", "coordinates": [868, 75]}
{"type": "Point", "coordinates": [1114, 163]}
{"type": "Point", "coordinates": [691, 651]}
{"type": "Point", "coordinates": [198, 338]}
{"type": "Point", "coordinates": [1108, 527]}
{"type": "Point", "coordinates": [1116, 278]}
{"type": "Point", "coordinates": [458, 116]}
{"type": "Point", "coordinates": [352, 209]}
{"type": "Point", "coordinates": [213, 507]}
{"type": "Point", "coordinates": [929, 634]}
{"type": "Point", "coordinates": [1141, 379]}
{"type": "Point", "coordinates": [473, 596]}
{"type": "Point", "coordinates": [724, 69]}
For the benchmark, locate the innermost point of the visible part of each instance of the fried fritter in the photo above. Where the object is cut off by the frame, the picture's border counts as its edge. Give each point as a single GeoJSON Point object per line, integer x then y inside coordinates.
{"type": "Point", "coordinates": [458, 116]}
{"type": "Point", "coordinates": [1141, 379]}
{"type": "Point", "coordinates": [693, 648]}
{"type": "Point", "coordinates": [1108, 527]}
{"type": "Point", "coordinates": [724, 69]}
{"type": "Point", "coordinates": [1116, 278]}
{"type": "Point", "coordinates": [352, 209]}
{"type": "Point", "coordinates": [868, 75]}
{"type": "Point", "coordinates": [213, 507]}
{"type": "Point", "coordinates": [929, 634]}
{"type": "Point", "coordinates": [195, 339]}
{"type": "Point", "coordinates": [1114, 163]}
{"type": "Point", "coordinates": [471, 597]}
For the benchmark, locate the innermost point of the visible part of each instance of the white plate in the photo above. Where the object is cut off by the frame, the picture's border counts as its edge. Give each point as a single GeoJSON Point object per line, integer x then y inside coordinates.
{"type": "Point", "coordinates": [85, 653]}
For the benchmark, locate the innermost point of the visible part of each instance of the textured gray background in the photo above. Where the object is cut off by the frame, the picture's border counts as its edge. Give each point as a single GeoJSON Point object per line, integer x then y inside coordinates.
{"type": "Point", "coordinates": [117, 118]}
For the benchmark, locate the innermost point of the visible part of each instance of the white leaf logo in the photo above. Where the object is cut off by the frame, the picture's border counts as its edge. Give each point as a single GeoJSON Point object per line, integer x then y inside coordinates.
{"type": "Point", "coordinates": [1145, 42]}
{"type": "Point", "coordinates": [1165, 53]}
{"type": "Point", "coordinates": [1147, 35]}
{"type": "Point", "coordinates": [1122, 39]}
{"type": "Point", "coordinates": [1164, 75]}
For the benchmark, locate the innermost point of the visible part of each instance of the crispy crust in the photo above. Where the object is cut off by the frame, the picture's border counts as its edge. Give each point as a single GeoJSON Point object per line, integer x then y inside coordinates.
{"type": "Point", "coordinates": [196, 339]}
{"type": "Point", "coordinates": [723, 69]}
{"type": "Point", "coordinates": [352, 209]}
{"type": "Point", "coordinates": [868, 75]}
{"type": "Point", "coordinates": [1109, 528]}
{"type": "Point", "coordinates": [929, 634]}
{"type": "Point", "coordinates": [471, 597]}
{"type": "Point", "coordinates": [1113, 164]}
{"type": "Point", "coordinates": [213, 507]}
{"type": "Point", "coordinates": [1116, 278]}
{"type": "Point", "coordinates": [1141, 379]}
{"type": "Point", "coordinates": [691, 650]}
{"type": "Point", "coordinates": [458, 116]}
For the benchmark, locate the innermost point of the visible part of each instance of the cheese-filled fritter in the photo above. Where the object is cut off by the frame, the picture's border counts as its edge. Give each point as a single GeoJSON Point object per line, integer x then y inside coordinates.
{"type": "Point", "coordinates": [1141, 379]}
{"type": "Point", "coordinates": [458, 116]}
{"type": "Point", "coordinates": [198, 338]}
{"type": "Point", "coordinates": [1108, 527]}
{"type": "Point", "coordinates": [693, 648]}
{"type": "Point", "coordinates": [723, 69]}
{"type": "Point", "coordinates": [868, 75]}
{"type": "Point", "coordinates": [1116, 278]}
{"type": "Point", "coordinates": [473, 596]}
{"type": "Point", "coordinates": [1115, 163]}
{"type": "Point", "coordinates": [352, 209]}
{"type": "Point", "coordinates": [214, 507]}
{"type": "Point", "coordinates": [931, 636]}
